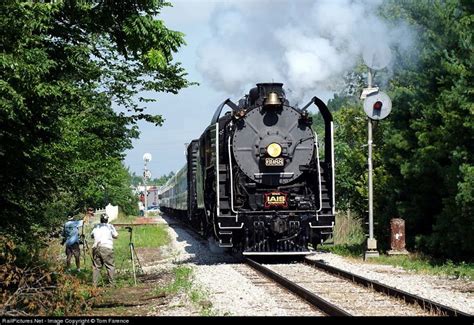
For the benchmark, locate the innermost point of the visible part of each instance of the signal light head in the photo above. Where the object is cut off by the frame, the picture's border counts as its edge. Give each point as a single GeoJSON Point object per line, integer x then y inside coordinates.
{"type": "Point", "coordinates": [378, 105]}
{"type": "Point", "coordinates": [274, 150]}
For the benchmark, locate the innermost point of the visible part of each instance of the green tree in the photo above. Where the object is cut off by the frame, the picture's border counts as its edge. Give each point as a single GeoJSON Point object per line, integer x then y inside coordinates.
{"type": "Point", "coordinates": [429, 146]}
{"type": "Point", "coordinates": [137, 180]}
{"type": "Point", "coordinates": [63, 64]}
{"type": "Point", "coordinates": [350, 149]}
{"type": "Point", "coordinates": [163, 179]}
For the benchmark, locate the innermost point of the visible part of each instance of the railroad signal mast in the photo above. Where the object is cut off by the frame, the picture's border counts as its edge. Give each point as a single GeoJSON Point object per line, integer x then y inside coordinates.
{"type": "Point", "coordinates": [146, 176]}
{"type": "Point", "coordinates": [377, 106]}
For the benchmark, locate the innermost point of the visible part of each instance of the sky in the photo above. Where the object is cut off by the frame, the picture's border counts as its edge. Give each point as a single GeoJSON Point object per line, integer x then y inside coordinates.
{"type": "Point", "coordinates": [186, 114]}
{"type": "Point", "coordinates": [308, 45]}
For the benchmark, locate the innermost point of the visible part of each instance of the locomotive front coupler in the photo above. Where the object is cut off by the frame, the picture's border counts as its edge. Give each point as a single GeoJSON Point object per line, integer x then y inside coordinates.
{"type": "Point", "coordinates": [279, 224]}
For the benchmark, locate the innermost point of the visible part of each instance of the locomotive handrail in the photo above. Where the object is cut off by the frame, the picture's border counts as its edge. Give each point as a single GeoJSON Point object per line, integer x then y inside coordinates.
{"type": "Point", "coordinates": [319, 173]}
{"type": "Point", "coordinates": [231, 179]}
{"type": "Point", "coordinates": [227, 102]}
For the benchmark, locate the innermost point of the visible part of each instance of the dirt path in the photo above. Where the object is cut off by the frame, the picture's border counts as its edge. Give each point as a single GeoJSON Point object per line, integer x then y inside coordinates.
{"type": "Point", "coordinates": [150, 297]}
{"type": "Point", "coordinates": [143, 300]}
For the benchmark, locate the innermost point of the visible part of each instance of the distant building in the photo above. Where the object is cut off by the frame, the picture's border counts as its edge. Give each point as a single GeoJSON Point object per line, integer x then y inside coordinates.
{"type": "Point", "coordinates": [152, 198]}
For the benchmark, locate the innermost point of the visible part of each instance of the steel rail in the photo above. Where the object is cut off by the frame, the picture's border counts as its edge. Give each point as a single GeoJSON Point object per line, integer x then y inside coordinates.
{"type": "Point", "coordinates": [320, 303]}
{"type": "Point", "coordinates": [424, 303]}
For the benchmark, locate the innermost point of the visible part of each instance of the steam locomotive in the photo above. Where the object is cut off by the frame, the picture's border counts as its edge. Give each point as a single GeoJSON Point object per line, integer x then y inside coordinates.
{"type": "Point", "coordinates": [256, 180]}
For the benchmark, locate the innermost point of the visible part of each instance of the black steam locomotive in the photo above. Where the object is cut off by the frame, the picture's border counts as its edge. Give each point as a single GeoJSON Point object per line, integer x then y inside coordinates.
{"type": "Point", "coordinates": [255, 179]}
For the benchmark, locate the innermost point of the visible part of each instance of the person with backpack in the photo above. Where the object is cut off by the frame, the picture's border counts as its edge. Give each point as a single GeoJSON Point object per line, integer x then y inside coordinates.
{"type": "Point", "coordinates": [71, 238]}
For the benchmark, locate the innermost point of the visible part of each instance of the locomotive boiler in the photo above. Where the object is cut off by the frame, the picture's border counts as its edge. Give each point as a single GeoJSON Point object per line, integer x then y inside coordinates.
{"type": "Point", "coordinates": [256, 179]}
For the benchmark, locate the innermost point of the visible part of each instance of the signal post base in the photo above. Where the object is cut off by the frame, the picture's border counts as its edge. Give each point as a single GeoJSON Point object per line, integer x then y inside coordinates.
{"type": "Point", "coordinates": [370, 254]}
{"type": "Point", "coordinates": [371, 249]}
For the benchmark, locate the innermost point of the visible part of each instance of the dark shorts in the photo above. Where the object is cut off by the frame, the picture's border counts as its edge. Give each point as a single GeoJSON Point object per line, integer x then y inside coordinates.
{"type": "Point", "coordinates": [74, 249]}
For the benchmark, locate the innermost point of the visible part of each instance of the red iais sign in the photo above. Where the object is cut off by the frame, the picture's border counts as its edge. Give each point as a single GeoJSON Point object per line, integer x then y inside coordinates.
{"type": "Point", "coordinates": [275, 199]}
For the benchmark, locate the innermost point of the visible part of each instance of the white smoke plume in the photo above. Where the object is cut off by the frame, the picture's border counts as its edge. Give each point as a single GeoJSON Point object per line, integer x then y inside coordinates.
{"type": "Point", "coordinates": [306, 44]}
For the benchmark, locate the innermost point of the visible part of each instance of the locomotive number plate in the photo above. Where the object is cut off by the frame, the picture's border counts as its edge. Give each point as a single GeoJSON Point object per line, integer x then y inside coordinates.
{"type": "Point", "coordinates": [275, 199]}
{"type": "Point", "coordinates": [274, 161]}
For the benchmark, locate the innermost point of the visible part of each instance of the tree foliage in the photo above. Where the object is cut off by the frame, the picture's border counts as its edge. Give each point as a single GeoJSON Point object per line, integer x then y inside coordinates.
{"type": "Point", "coordinates": [350, 149]}
{"type": "Point", "coordinates": [429, 148]}
{"type": "Point", "coordinates": [160, 181]}
{"type": "Point", "coordinates": [423, 154]}
{"type": "Point", "coordinates": [63, 64]}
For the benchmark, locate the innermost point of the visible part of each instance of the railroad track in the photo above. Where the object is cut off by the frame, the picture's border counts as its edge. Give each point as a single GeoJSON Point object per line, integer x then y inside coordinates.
{"type": "Point", "coordinates": [426, 304]}
{"type": "Point", "coordinates": [359, 295]}
{"type": "Point", "coordinates": [340, 293]}
{"type": "Point", "coordinates": [313, 299]}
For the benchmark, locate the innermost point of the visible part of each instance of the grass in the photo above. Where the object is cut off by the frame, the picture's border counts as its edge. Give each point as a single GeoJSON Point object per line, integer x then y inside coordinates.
{"type": "Point", "coordinates": [349, 241]}
{"type": "Point", "coordinates": [150, 236]}
{"type": "Point", "coordinates": [183, 282]}
{"type": "Point", "coordinates": [426, 265]}
{"type": "Point", "coordinates": [348, 250]}
{"type": "Point", "coordinates": [122, 218]}
{"type": "Point", "coordinates": [147, 236]}
{"type": "Point", "coordinates": [142, 237]}
{"type": "Point", "coordinates": [348, 229]}
{"type": "Point", "coordinates": [417, 263]}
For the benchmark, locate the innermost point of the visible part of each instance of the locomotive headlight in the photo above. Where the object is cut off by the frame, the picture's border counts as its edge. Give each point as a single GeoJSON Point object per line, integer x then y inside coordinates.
{"type": "Point", "coordinates": [274, 150]}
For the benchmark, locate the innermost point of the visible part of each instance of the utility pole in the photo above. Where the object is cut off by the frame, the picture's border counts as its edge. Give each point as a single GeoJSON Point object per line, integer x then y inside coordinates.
{"type": "Point", "coordinates": [146, 176]}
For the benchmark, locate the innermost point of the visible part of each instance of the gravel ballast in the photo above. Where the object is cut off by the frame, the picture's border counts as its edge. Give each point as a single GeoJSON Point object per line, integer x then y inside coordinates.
{"type": "Point", "coordinates": [455, 293]}
{"type": "Point", "coordinates": [221, 276]}
{"type": "Point", "coordinates": [232, 290]}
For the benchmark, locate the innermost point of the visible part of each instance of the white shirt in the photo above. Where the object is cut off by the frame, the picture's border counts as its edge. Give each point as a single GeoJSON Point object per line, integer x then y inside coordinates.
{"type": "Point", "coordinates": [103, 234]}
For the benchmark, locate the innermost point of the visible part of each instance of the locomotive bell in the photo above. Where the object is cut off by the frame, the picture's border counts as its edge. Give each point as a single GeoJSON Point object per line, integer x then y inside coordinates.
{"type": "Point", "coordinates": [272, 99]}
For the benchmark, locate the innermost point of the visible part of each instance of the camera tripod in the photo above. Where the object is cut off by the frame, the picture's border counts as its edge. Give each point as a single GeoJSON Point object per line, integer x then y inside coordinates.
{"type": "Point", "coordinates": [85, 246]}
{"type": "Point", "coordinates": [133, 256]}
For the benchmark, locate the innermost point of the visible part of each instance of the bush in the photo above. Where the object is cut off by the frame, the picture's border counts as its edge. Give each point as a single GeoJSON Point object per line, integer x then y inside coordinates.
{"type": "Point", "coordinates": [348, 229]}
{"type": "Point", "coordinates": [31, 285]}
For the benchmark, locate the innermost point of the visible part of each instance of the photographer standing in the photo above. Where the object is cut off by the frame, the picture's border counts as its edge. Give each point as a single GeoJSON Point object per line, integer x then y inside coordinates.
{"type": "Point", "coordinates": [71, 239]}
{"type": "Point", "coordinates": [103, 249]}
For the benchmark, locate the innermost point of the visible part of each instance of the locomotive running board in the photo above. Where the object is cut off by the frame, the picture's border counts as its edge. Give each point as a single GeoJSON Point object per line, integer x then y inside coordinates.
{"type": "Point", "coordinates": [277, 253]}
